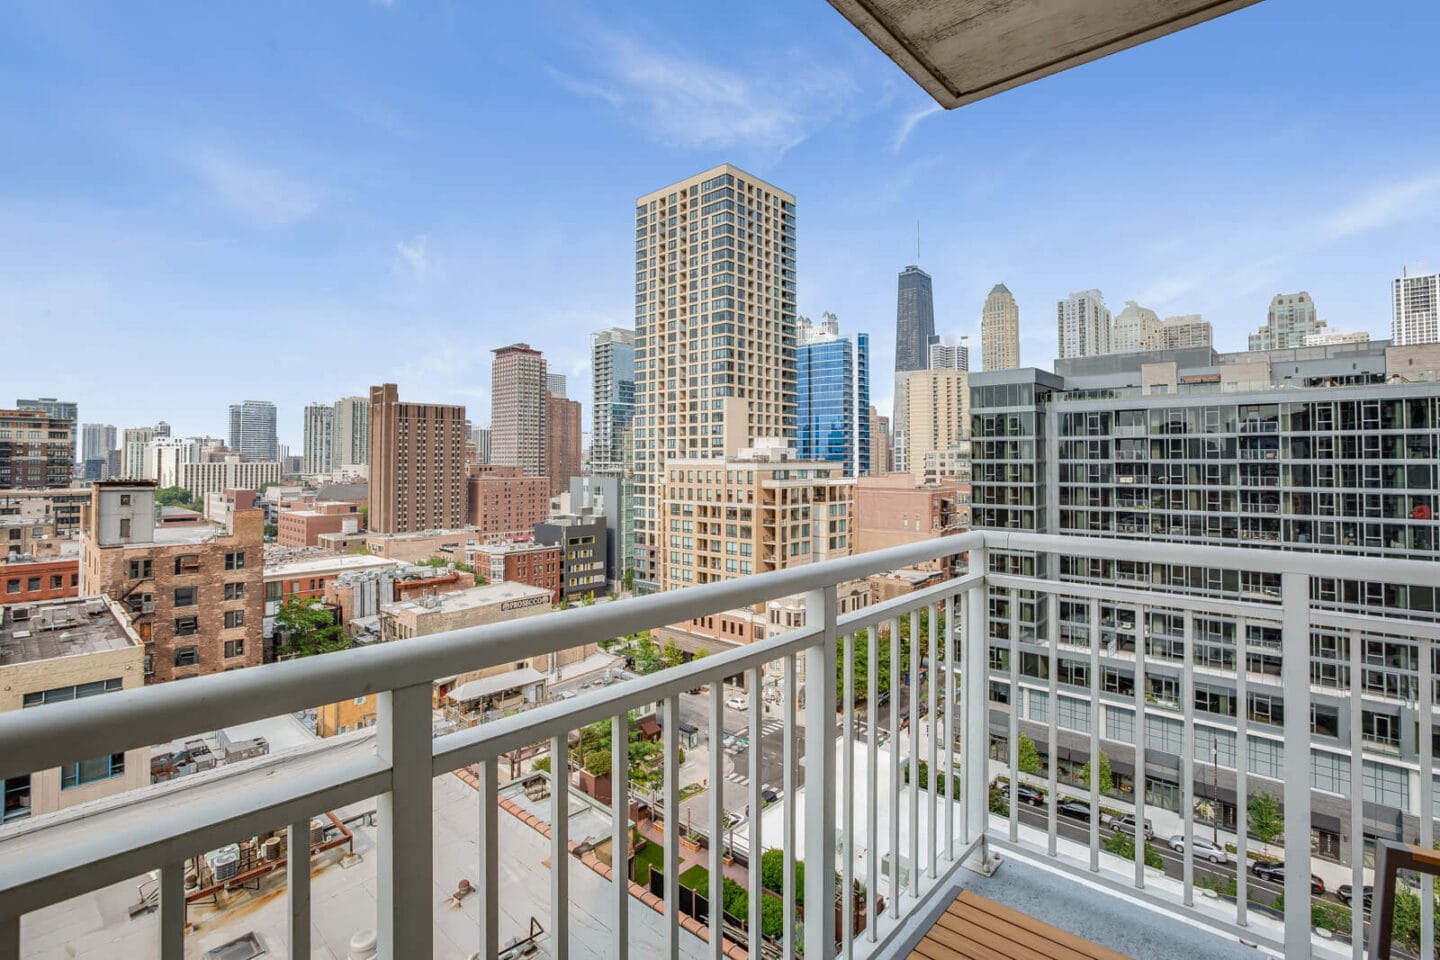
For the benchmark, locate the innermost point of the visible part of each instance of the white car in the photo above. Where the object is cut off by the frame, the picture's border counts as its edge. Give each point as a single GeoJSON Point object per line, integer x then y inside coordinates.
{"type": "Point", "coordinates": [1203, 849]}
{"type": "Point", "coordinates": [738, 703]}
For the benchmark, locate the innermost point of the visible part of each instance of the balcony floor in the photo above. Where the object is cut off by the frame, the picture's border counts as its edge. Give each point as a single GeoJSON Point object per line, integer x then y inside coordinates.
{"type": "Point", "coordinates": [1111, 922]}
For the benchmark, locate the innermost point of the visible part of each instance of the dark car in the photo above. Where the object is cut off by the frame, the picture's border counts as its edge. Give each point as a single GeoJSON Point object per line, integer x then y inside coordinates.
{"type": "Point", "coordinates": [1028, 794]}
{"type": "Point", "coordinates": [1274, 871]}
{"type": "Point", "coordinates": [1075, 809]}
{"type": "Point", "coordinates": [1344, 892]}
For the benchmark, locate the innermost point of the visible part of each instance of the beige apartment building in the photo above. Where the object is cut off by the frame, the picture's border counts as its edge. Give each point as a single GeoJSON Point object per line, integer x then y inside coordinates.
{"type": "Point", "coordinates": [519, 409]}
{"type": "Point", "coordinates": [417, 464]}
{"type": "Point", "coordinates": [714, 334]}
{"type": "Point", "coordinates": [59, 650]}
{"type": "Point", "coordinates": [937, 415]}
{"type": "Point", "coordinates": [195, 593]}
{"type": "Point", "coordinates": [1000, 330]}
{"type": "Point", "coordinates": [752, 513]}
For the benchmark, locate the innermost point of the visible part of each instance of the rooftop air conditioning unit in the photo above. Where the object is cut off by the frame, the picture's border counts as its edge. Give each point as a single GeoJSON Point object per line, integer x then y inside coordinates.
{"type": "Point", "coordinates": [20, 612]}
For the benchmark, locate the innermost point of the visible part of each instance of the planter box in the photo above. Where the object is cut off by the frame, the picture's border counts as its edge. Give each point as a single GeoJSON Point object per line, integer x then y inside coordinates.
{"type": "Point", "coordinates": [692, 845]}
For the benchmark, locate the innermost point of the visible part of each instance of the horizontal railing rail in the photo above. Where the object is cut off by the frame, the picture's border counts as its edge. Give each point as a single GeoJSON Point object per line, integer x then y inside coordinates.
{"type": "Point", "coordinates": [913, 802]}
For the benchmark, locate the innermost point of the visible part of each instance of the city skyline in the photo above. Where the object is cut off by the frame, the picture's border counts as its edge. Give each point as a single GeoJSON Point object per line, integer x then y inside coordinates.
{"type": "Point", "coordinates": [234, 219]}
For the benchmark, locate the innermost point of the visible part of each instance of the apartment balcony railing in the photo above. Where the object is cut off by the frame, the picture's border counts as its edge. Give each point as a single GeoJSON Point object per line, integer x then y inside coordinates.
{"type": "Point", "coordinates": [856, 818]}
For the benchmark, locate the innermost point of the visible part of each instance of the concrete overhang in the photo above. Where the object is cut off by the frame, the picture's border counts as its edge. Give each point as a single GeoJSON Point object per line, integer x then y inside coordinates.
{"type": "Point", "coordinates": [961, 51]}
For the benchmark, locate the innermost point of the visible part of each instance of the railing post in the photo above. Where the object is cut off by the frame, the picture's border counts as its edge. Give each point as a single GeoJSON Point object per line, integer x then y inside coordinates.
{"type": "Point", "coordinates": [974, 680]}
{"type": "Point", "coordinates": [560, 844]}
{"type": "Point", "coordinates": [1295, 676]}
{"type": "Point", "coordinates": [819, 775]}
{"type": "Point", "coordinates": [297, 885]}
{"type": "Point", "coordinates": [620, 841]}
{"type": "Point", "coordinates": [405, 920]}
{"type": "Point", "coordinates": [172, 911]}
{"type": "Point", "coordinates": [9, 938]}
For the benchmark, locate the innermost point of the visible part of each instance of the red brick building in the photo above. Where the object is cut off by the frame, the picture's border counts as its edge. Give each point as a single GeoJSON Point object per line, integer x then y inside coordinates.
{"type": "Point", "coordinates": [503, 502]}
{"type": "Point", "coordinates": [303, 527]}
{"type": "Point", "coordinates": [24, 581]}
{"type": "Point", "coordinates": [520, 561]}
{"type": "Point", "coordinates": [891, 510]}
{"type": "Point", "coordinates": [563, 451]}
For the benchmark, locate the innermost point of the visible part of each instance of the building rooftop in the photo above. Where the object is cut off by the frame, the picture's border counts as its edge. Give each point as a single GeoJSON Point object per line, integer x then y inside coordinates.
{"type": "Point", "coordinates": [474, 597]}
{"type": "Point", "coordinates": [187, 533]}
{"type": "Point", "coordinates": [325, 563]}
{"type": "Point", "coordinates": [513, 546]}
{"type": "Point", "coordinates": [30, 632]}
{"type": "Point", "coordinates": [65, 549]}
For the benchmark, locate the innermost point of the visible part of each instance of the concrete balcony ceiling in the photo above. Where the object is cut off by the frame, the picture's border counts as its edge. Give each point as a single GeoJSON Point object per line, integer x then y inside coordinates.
{"type": "Point", "coordinates": [961, 51]}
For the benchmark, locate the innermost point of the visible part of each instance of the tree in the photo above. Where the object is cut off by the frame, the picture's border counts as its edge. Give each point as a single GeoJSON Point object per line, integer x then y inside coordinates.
{"type": "Point", "coordinates": [1267, 821]}
{"type": "Point", "coordinates": [307, 627]}
{"type": "Point", "coordinates": [1029, 756]}
{"type": "Point", "coordinates": [1107, 780]}
{"type": "Point", "coordinates": [1123, 846]}
{"type": "Point", "coordinates": [271, 531]}
{"type": "Point", "coordinates": [1406, 927]}
{"type": "Point", "coordinates": [699, 654]}
{"type": "Point", "coordinates": [670, 655]}
{"type": "Point", "coordinates": [647, 655]}
{"type": "Point", "coordinates": [364, 518]}
{"type": "Point", "coordinates": [627, 581]}
{"type": "Point", "coordinates": [176, 497]}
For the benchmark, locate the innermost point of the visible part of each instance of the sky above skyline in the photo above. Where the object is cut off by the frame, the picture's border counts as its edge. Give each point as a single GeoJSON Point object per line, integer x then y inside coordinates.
{"type": "Point", "coordinates": [290, 202]}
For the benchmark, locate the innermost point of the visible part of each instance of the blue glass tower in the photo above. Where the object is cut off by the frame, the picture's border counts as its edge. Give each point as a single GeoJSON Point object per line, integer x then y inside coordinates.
{"type": "Point", "coordinates": [832, 396]}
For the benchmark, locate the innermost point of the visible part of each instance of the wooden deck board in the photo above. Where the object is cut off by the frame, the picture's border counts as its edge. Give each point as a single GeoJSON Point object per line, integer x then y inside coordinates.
{"type": "Point", "coordinates": [976, 928]}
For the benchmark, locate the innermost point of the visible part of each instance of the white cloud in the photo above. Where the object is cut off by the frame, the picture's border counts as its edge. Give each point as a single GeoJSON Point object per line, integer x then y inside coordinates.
{"type": "Point", "coordinates": [414, 256]}
{"type": "Point", "coordinates": [257, 192]}
{"type": "Point", "coordinates": [1386, 204]}
{"type": "Point", "coordinates": [908, 124]}
{"type": "Point", "coordinates": [685, 101]}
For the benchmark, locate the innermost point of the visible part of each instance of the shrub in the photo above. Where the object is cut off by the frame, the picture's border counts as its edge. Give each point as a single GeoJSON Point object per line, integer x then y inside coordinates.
{"type": "Point", "coordinates": [1123, 846]}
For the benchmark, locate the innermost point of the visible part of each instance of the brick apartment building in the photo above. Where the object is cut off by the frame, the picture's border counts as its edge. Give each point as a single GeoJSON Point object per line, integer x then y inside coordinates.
{"type": "Point", "coordinates": [563, 450]}
{"type": "Point", "coordinates": [303, 527]}
{"type": "Point", "coordinates": [417, 464]}
{"type": "Point", "coordinates": [195, 593]}
{"type": "Point", "coordinates": [503, 502]}
{"type": "Point", "coordinates": [37, 451]}
{"type": "Point", "coordinates": [519, 561]}
{"type": "Point", "coordinates": [892, 510]}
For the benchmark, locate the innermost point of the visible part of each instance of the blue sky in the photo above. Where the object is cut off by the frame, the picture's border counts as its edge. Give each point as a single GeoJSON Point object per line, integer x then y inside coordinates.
{"type": "Point", "coordinates": [206, 203]}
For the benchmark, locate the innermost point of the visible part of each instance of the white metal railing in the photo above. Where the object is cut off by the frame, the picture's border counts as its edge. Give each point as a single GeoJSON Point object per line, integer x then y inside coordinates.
{"type": "Point", "coordinates": [925, 836]}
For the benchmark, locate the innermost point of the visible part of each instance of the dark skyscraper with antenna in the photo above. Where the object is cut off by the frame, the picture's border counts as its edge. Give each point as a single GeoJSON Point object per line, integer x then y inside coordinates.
{"type": "Point", "coordinates": [914, 320]}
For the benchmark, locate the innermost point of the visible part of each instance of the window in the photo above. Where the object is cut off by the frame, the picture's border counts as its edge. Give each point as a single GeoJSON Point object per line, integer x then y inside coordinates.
{"type": "Point", "coordinates": [235, 561]}
{"type": "Point", "coordinates": [1267, 708]}
{"type": "Point", "coordinates": [12, 586]}
{"type": "Point", "coordinates": [91, 771]}
{"type": "Point", "coordinates": [186, 627]}
{"type": "Point", "coordinates": [1380, 728]}
{"type": "Point", "coordinates": [1387, 785]}
{"type": "Point", "coordinates": [125, 528]}
{"type": "Point", "coordinates": [234, 648]}
{"type": "Point", "coordinates": [56, 582]}
{"type": "Point", "coordinates": [1330, 772]}
{"type": "Point", "coordinates": [124, 499]}
{"type": "Point", "coordinates": [186, 596]}
{"type": "Point", "coordinates": [234, 591]}
{"type": "Point", "coordinates": [77, 692]}
{"type": "Point", "coordinates": [1215, 746]}
{"type": "Point", "coordinates": [140, 569]}
{"type": "Point", "coordinates": [1164, 734]}
{"type": "Point", "coordinates": [1324, 721]}
{"type": "Point", "coordinates": [16, 798]}
{"type": "Point", "coordinates": [187, 656]}
{"type": "Point", "coordinates": [1267, 758]}
{"type": "Point", "coordinates": [1119, 725]}
{"type": "Point", "coordinates": [32, 584]}
{"type": "Point", "coordinates": [1073, 714]}
{"type": "Point", "coordinates": [1039, 706]}
{"type": "Point", "coordinates": [234, 618]}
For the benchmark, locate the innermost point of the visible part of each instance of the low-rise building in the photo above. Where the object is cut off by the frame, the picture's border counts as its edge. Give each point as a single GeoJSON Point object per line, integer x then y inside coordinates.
{"type": "Point", "coordinates": [583, 542]}
{"type": "Point", "coordinates": [220, 506]}
{"type": "Point", "coordinates": [52, 575]}
{"type": "Point", "coordinates": [306, 576]}
{"type": "Point", "coordinates": [63, 506]}
{"type": "Point", "coordinates": [230, 474]}
{"type": "Point", "coordinates": [518, 561]}
{"type": "Point", "coordinates": [410, 547]}
{"type": "Point", "coordinates": [892, 510]}
{"type": "Point", "coordinates": [60, 650]}
{"type": "Point", "coordinates": [194, 593]}
{"type": "Point", "coordinates": [302, 527]}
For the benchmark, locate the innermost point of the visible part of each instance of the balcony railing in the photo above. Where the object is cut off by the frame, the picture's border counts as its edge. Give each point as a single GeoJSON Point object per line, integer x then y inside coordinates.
{"type": "Point", "coordinates": [862, 819]}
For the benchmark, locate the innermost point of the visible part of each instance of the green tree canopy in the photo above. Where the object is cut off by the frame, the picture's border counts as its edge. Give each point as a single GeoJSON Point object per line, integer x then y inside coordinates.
{"type": "Point", "coordinates": [1029, 756]}
{"type": "Point", "coordinates": [1266, 820]}
{"type": "Point", "coordinates": [176, 497]}
{"type": "Point", "coordinates": [307, 627]}
{"type": "Point", "coordinates": [1107, 779]}
{"type": "Point", "coordinates": [670, 655]}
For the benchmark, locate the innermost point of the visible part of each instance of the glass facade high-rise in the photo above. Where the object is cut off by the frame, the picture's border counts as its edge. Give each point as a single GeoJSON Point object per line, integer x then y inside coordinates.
{"type": "Point", "coordinates": [612, 408]}
{"type": "Point", "coordinates": [714, 334]}
{"type": "Point", "coordinates": [252, 429]}
{"type": "Point", "coordinates": [832, 396]}
{"type": "Point", "coordinates": [1291, 319]}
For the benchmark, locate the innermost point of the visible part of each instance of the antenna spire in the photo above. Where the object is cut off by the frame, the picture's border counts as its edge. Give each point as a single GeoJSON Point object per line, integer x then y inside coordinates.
{"type": "Point", "coordinates": [917, 241]}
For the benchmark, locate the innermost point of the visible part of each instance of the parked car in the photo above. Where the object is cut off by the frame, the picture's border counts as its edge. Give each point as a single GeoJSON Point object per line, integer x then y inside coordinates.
{"type": "Point", "coordinates": [769, 796]}
{"type": "Point", "coordinates": [738, 703]}
{"type": "Point", "coordinates": [1028, 794]}
{"type": "Point", "coordinates": [1203, 848]}
{"type": "Point", "coordinates": [1344, 892]}
{"type": "Point", "coordinates": [1075, 809]}
{"type": "Point", "coordinates": [1126, 824]}
{"type": "Point", "coordinates": [1274, 871]}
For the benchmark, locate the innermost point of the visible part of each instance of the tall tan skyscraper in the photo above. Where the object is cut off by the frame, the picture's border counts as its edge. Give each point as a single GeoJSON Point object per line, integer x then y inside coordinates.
{"type": "Point", "coordinates": [562, 442]}
{"type": "Point", "coordinates": [715, 331]}
{"type": "Point", "coordinates": [417, 464]}
{"type": "Point", "coordinates": [352, 431]}
{"type": "Point", "coordinates": [1000, 330]}
{"type": "Point", "coordinates": [938, 415]}
{"type": "Point", "coordinates": [519, 420]}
